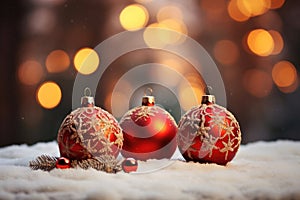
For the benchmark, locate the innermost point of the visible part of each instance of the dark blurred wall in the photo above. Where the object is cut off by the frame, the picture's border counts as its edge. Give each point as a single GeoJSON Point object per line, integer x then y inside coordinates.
{"type": "Point", "coordinates": [11, 13]}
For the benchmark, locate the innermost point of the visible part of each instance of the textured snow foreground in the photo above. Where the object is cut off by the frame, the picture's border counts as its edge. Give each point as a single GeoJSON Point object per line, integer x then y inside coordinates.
{"type": "Point", "coordinates": [260, 170]}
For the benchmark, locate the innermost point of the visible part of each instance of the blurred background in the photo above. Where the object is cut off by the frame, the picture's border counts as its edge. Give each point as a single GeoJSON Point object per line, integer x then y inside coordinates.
{"type": "Point", "coordinates": [255, 44]}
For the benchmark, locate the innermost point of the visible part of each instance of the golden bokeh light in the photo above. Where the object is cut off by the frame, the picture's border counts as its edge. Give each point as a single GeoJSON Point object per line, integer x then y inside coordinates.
{"type": "Point", "coordinates": [226, 52]}
{"type": "Point", "coordinates": [278, 42]}
{"type": "Point", "coordinates": [260, 42]}
{"type": "Point", "coordinates": [169, 31]}
{"type": "Point", "coordinates": [57, 61]}
{"type": "Point", "coordinates": [257, 82]}
{"type": "Point", "coordinates": [154, 37]}
{"type": "Point", "coordinates": [291, 88]}
{"type": "Point", "coordinates": [235, 13]}
{"type": "Point", "coordinates": [30, 72]}
{"type": "Point", "coordinates": [284, 74]}
{"type": "Point", "coordinates": [253, 7]}
{"type": "Point", "coordinates": [169, 12]}
{"type": "Point", "coordinates": [276, 4]}
{"type": "Point", "coordinates": [134, 17]}
{"type": "Point", "coordinates": [189, 96]}
{"type": "Point", "coordinates": [174, 25]}
{"type": "Point", "coordinates": [86, 61]}
{"type": "Point", "coordinates": [49, 95]}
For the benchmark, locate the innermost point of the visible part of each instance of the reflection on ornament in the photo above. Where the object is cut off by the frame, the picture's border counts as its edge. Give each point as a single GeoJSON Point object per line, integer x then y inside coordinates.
{"type": "Point", "coordinates": [90, 132]}
{"type": "Point", "coordinates": [63, 163]}
{"type": "Point", "coordinates": [129, 165]}
{"type": "Point", "coordinates": [208, 133]}
{"type": "Point", "coordinates": [149, 132]}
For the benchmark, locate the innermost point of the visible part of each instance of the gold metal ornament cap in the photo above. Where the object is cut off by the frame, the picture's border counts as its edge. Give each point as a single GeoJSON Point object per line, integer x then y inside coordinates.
{"type": "Point", "coordinates": [148, 100]}
{"type": "Point", "coordinates": [87, 100]}
{"type": "Point", "coordinates": [208, 99]}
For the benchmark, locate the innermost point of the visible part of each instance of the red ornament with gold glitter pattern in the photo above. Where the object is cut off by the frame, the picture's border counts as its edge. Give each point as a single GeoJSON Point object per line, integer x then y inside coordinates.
{"type": "Point", "coordinates": [149, 132]}
{"type": "Point", "coordinates": [209, 133]}
{"type": "Point", "coordinates": [90, 132]}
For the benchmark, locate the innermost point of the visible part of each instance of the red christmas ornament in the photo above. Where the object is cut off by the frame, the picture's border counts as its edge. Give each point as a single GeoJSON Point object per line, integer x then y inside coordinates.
{"type": "Point", "coordinates": [63, 163]}
{"type": "Point", "coordinates": [90, 132]}
{"type": "Point", "coordinates": [129, 165]}
{"type": "Point", "coordinates": [209, 133]}
{"type": "Point", "coordinates": [149, 132]}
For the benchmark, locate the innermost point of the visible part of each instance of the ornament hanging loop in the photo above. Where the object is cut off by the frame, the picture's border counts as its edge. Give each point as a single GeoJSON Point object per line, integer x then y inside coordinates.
{"type": "Point", "coordinates": [208, 90]}
{"type": "Point", "coordinates": [87, 100]}
{"type": "Point", "coordinates": [148, 91]}
{"type": "Point", "coordinates": [148, 99]}
{"type": "Point", "coordinates": [87, 92]}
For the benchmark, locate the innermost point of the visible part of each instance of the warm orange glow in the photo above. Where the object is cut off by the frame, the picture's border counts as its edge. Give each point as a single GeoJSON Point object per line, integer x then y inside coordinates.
{"type": "Point", "coordinates": [276, 4]}
{"type": "Point", "coordinates": [278, 42]}
{"type": "Point", "coordinates": [235, 13]}
{"type": "Point", "coordinates": [153, 37]}
{"type": "Point", "coordinates": [253, 7]}
{"type": "Point", "coordinates": [176, 64]}
{"type": "Point", "coordinates": [291, 88]}
{"type": "Point", "coordinates": [158, 125]}
{"type": "Point", "coordinates": [86, 61]}
{"type": "Point", "coordinates": [284, 74]}
{"type": "Point", "coordinates": [169, 31]}
{"type": "Point", "coordinates": [226, 52]}
{"type": "Point", "coordinates": [257, 82]}
{"type": "Point", "coordinates": [57, 61]}
{"type": "Point", "coordinates": [169, 12]}
{"type": "Point", "coordinates": [189, 96]}
{"type": "Point", "coordinates": [175, 25]}
{"type": "Point", "coordinates": [49, 95]}
{"type": "Point", "coordinates": [260, 42]}
{"type": "Point", "coordinates": [30, 72]}
{"type": "Point", "coordinates": [214, 6]}
{"type": "Point", "coordinates": [134, 17]}
{"type": "Point", "coordinates": [195, 81]}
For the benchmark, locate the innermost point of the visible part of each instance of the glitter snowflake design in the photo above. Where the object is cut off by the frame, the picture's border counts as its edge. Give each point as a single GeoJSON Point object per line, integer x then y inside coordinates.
{"type": "Point", "coordinates": [209, 125]}
{"type": "Point", "coordinates": [144, 112]}
{"type": "Point", "coordinates": [140, 113]}
{"type": "Point", "coordinates": [96, 131]}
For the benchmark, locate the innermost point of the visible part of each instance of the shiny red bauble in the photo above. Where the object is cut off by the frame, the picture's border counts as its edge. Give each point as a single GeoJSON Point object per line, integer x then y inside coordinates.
{"type": "Point", "coordinates": [149, 132]}
{"type": "Point", "coordinates": [63, 163]}
{"type": "Point", "coordinates": [89, 132]}
{"type": "Point", "coordinates": [129, 165]}
{"type": "Point", "coordinates": [209, 133]}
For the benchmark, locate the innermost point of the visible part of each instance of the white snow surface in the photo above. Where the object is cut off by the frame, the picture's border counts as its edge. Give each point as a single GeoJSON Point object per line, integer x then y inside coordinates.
{"type": "Point", "coordinates": [260, 170]}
